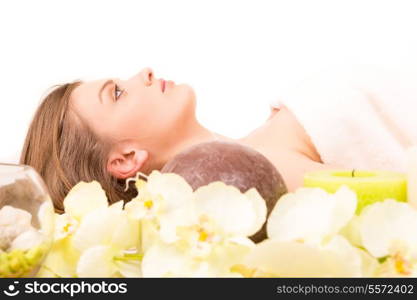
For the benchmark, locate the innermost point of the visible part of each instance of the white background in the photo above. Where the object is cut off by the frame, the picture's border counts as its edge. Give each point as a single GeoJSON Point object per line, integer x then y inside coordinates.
{"type": "Point", "coordinates": [238, 55]}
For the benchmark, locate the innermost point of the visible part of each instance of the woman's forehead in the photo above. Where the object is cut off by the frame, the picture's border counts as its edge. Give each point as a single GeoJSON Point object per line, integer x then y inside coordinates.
{"type": "Point", "coordinates": [85, 99]}
{"type": "Point", "coordinates": [89, 89]}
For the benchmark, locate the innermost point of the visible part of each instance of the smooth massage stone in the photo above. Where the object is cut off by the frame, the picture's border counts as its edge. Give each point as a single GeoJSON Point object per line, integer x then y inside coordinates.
{"type": "Point", "coordinates": [233, 164]}
{"type": "Point", "coordinates": [370, 186]}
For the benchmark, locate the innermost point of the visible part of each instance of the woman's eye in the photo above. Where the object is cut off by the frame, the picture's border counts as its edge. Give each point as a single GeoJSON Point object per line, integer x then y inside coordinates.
{"type": "Point", "coordinates": [117, 92]}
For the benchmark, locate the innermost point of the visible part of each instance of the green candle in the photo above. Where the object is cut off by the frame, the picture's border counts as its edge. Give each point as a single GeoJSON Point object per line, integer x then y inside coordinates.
{"type": "Point", "coordinates": [370, 186]}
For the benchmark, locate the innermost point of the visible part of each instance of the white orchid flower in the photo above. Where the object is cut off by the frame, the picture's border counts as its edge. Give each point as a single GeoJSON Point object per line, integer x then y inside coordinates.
{"type": "Point", "coordinates": [89, 222]}
{"type": "Point", "coordinates": [337, 258]}
{"type": "Point", "coordinates": [388, 231]}
{"type": "Point", "coordinates": [164, 260]}
{"type": "Point", "coordinates": [311, 215]}
{"type": "Point", "coordinates": [82, 199]}
{"type": "Point", "coordinates": [164, 200]}
{"type": "Point", "coordinates": [225, 216]}
{"type": "Point", "coordinates": [109, 261]}
{"type": "Point", "coordinates": [46, 217]}
{"type": "Point", "coordinates": [169, 260]}
{"type": "Point", "coordinates": [144, 205]}
{"type": "Point", "coordinates": [162, 193]}
{"type": "Point", "coordinates": [236, 213]}
{"type": "Point", "coordinates": [216, 241]}
{"type": "Point", "coordinates": [65, 226]}
{"type": "Point", "coordinates": [305, 241]}
{"type": "Point", "coordinates": [351, 232]}
{"type": "Point", "coordinates": [105, 237]}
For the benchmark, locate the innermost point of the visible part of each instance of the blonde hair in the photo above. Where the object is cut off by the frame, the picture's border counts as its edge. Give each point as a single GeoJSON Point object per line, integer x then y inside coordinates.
{"type": "Point", "coordinates": [64, 150]}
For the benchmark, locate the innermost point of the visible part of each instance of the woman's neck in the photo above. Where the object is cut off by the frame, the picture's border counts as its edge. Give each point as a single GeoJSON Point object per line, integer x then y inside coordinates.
{"type": "Point", "coordinates": [282, 132]}
{"type": "Point", "coordinates": [195, 134]}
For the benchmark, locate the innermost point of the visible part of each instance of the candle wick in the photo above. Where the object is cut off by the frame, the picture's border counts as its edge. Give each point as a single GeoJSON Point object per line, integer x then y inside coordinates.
{"type": "Point", "coordinates": [353, 173]}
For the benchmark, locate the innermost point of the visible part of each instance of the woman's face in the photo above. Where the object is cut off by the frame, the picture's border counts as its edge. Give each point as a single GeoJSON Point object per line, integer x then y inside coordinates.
{"type": "Point", "coordinates": [141, 108]}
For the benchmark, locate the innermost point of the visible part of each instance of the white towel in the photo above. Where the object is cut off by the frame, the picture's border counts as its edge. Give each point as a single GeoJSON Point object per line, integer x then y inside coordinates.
{"type": "Point", "coordinates": [358, 117]}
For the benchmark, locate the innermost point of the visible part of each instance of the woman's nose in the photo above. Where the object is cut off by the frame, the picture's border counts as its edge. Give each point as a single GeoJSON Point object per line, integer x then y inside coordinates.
{"type": "Point", "coordinates": [147, 75]}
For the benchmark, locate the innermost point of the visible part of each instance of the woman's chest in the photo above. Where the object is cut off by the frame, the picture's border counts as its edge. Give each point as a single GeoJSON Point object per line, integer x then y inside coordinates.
{"type": "Point", "coordinates": [282, 133]}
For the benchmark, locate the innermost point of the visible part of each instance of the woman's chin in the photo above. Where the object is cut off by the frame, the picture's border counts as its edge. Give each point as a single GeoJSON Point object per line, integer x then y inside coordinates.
{"type": "Point", "coordinates": [186, 92]}
{"type": "Point", "coordinates": [185, 88]}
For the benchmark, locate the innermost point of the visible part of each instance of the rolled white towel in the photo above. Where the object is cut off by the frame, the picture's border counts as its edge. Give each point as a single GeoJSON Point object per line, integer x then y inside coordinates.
{"type": "Point", "coordinates": [358, 117]}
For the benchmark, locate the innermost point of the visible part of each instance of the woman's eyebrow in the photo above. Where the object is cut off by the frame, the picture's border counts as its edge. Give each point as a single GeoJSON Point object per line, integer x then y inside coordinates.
{"type": "Point", "coordinates": [102, 89]}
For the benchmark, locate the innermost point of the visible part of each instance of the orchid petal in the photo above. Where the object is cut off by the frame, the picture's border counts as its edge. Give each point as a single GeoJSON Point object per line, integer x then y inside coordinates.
{"type": "Point", "coordinates": [83, 198]}
{"type": "Point", "coordinates": [97, 261]}
{"type": "Point", "coordinates": [175, 191]}
{"type": "Point", "coordinates": [384, 223]}
{"type": "Point", "coordinates": [62, 258]}
{"type": "Point", "coordinates": [167, 261]}
{"type": "Point", "coordinates": [135, 209]}
{"type": "Point", "coordinates": [228, 207]}
{"type": "Point", "coordinates": [64, 226]}
{"type": "Point", "coordinates": [292, 259]}
{"type": "Point", "coordinates": [46, 218]}
{"type": "Point", "coordinates": [129, 268]}
{"type": "Point", "coordinates": [259, 207]}
{"type": "Point", "coordinates": [311, 215]}
{"type": "Point", "coordinates": [107, 226]}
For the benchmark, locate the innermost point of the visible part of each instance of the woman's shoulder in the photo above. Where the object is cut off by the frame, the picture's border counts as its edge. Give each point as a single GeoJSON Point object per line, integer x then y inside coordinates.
{"type": "Point", "coordinates": [285, 126]}
{"type": "Point", "coordinates": [292, 164]}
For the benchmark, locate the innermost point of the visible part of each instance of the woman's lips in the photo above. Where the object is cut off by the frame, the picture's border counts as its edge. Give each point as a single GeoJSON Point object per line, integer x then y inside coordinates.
{"type": "Point", "coordinates": [162, 85]}
{"type": "Point", "coordinates": [165, 84]}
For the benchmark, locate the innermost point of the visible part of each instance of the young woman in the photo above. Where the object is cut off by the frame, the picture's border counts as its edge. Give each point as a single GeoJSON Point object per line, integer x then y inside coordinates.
{"type": "Point", "coordinates": [108, 130]}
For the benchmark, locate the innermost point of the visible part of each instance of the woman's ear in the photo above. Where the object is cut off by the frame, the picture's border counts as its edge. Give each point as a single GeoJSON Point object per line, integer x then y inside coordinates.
{"type": "Point", "coordinates": [126, 162]}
